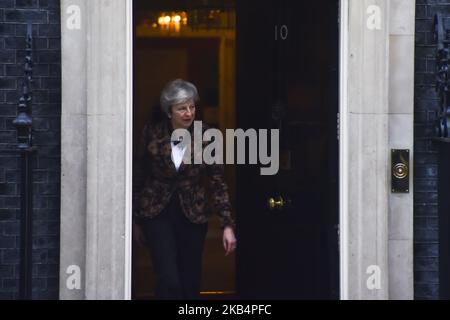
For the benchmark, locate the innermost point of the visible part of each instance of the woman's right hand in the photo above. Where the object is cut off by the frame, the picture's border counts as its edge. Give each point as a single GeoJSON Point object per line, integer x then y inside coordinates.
{"type": "Point", "coordinates": [138, 235]}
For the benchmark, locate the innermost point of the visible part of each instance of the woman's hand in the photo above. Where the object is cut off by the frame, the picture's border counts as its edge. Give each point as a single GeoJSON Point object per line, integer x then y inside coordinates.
{"type": "Point", "coordinates": [138, 235]}
{"type": "Point", "coordinates": [229, 240]}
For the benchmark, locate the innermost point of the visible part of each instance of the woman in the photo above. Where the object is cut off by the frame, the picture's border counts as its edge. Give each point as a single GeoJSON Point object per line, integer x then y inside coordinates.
{"type": "Point", "coordinates": [171, 207]}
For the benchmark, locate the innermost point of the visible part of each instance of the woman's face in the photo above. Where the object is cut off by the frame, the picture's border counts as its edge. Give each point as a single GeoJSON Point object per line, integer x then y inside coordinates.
{"type": "Point", "coordinates": [183, 115]}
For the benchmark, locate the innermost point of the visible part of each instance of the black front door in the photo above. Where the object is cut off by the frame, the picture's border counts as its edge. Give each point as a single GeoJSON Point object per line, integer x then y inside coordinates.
{"type": "Point", "coordinates": [287, 79]}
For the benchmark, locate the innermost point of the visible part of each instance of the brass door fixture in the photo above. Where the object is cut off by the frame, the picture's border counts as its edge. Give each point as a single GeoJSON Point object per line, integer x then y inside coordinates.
{"type": "Point", "coordinates": [278, 203]}
{"type": "Point", "coordinates": [400, 171]}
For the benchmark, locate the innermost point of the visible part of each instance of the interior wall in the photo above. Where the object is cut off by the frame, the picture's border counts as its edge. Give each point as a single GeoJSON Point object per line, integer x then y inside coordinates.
{"type": "Point", "coordinates": [198, 60]}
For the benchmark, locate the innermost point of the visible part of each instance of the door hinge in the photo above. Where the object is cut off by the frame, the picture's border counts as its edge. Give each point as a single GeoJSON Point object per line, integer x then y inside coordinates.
{"type": "Point", "coordinates": [339, 13]}
{"type": "Point", "coordinates": [338, 126]}
{"type": "Point", "coordinates": [338, 234]}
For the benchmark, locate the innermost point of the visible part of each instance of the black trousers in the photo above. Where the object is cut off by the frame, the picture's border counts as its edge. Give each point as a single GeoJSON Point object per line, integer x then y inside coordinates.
{"type": "Point", "coordinates": [176, 247]}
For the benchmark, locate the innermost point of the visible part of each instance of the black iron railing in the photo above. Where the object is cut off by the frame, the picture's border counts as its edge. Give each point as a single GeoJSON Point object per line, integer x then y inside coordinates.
{"type": "Point", "coordinates": [442, 38]}
{"type": "Point", "coordinates": [23, 123]}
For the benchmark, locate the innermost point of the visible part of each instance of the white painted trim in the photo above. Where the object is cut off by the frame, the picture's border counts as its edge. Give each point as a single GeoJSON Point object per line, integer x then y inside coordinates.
{"type": "Point", "coordinates": [129, 152]}
{"type": "Point", "coordinates": [343, 151]}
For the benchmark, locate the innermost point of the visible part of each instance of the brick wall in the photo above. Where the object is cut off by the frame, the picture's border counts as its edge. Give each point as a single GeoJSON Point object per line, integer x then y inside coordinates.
{"type": "Point", "coordinates": [426, 255]}
{"type": "Point", "coordinates": [45, 16]}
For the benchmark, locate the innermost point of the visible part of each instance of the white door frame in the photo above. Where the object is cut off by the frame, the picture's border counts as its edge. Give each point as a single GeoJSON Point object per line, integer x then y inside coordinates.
{"type": "Point", "coordinates": [376, 93]}
{"type": "Point", "coordinates": [376, 115]}
{"type": "Point", "coordinates": [343, 149]}
{"type": "Point", "coordinates": [129, 154]}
